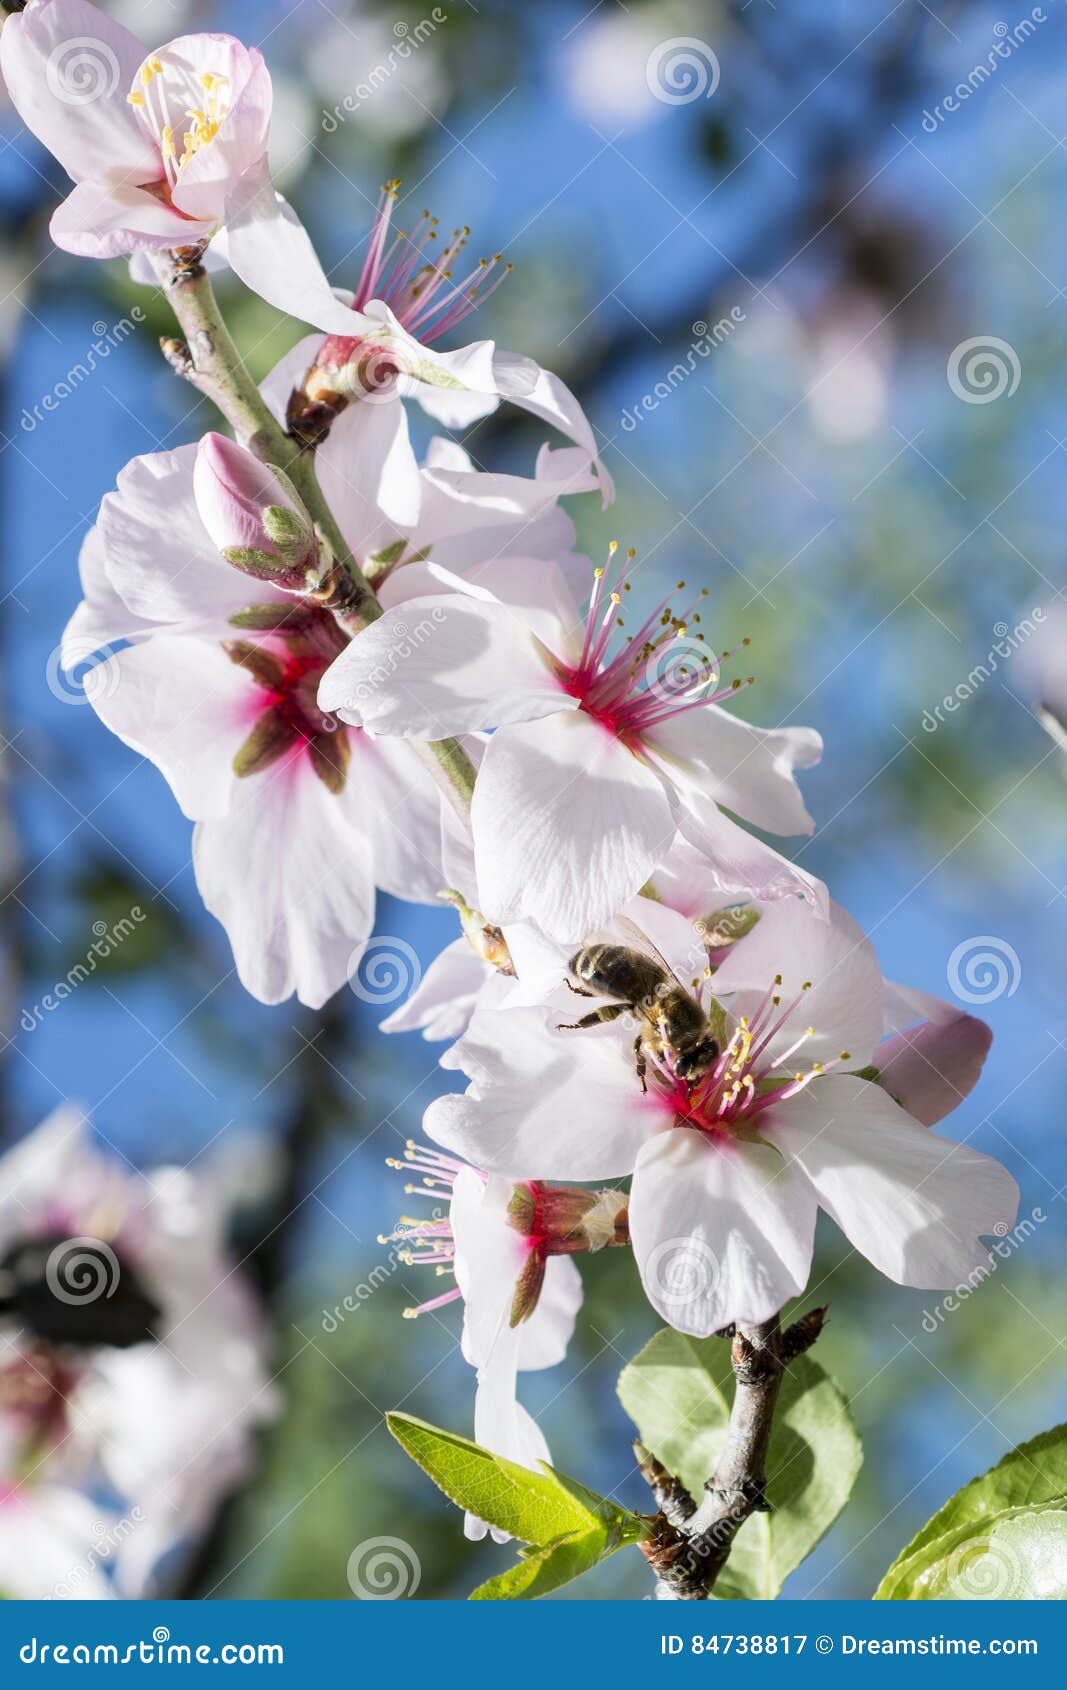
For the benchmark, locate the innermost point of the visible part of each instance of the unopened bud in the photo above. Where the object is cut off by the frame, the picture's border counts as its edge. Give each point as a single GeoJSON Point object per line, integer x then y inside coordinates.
{"type": "Point", "coordinates": [485, 939]}
{"type": "Point", "coordinates": [254, 514]}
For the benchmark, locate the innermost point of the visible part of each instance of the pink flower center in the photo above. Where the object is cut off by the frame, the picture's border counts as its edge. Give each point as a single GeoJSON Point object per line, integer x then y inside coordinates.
{"type": "Point", "coordinates": [662, 669]}
{"type": "Point", "coordinates": [285, 708]}
{"type": "Point", "coordinates": [752, 1072]}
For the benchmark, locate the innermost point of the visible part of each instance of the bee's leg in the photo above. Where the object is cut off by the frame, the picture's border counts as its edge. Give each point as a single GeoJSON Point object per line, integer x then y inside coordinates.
{"type": "Point", "coordinates": [579, 991]}
{"type": "Point", "coordinates": [607, 1012]}
{"type": "Point", "coordinates": [641, 1061]}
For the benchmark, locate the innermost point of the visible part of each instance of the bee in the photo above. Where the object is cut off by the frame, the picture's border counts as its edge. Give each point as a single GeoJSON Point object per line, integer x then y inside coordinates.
{"type": "Point", "coordinates": [674, 1025]}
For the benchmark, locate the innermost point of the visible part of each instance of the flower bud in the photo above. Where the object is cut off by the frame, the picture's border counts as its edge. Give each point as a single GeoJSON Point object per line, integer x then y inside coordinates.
{"type": "Point", "coordinates": [254, 515]}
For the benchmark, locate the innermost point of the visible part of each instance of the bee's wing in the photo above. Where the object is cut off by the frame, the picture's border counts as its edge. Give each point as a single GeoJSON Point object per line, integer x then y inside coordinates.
{"type": "Point", "coordinates": [643, 943]}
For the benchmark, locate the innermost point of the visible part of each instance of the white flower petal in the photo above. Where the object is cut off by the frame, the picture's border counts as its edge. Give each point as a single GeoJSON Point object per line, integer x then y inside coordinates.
{"type": "Point", "coordinates": [50, 54]}
{"type": "Point", "coordinates": [180, 702]}
{"type": "Point", "coordinates": [440, 1007]}
{"type": "Point", "coordinates": [845, 1002]}
{"type": "Point", "coordinates": [718, 757]}
{"type": "Point", "coordinates": [439, 666]}
{"type": "Point", "coordinates": [568, 825]}
{"type": "Point", "coordinates": [292, 881]}
{"type": "Point", "coordinates": [544, 1337]}
{"type": "Point", "coordinates": [545, 1104]}
{"type": "Point", "coordinates": [490, 1256]}
{"type": "Point", "coordinates": [914, 1204]}
{"type": "Point", "coordinates": [721, 1231]}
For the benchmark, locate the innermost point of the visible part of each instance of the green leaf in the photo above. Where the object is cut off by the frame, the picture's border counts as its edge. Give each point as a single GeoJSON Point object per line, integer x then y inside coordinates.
{"type": "Point", "coordinates": [570, 1527]}
{"type": "Point", "coordinates": [542, 1570]}
{"type": "Point", "coordinates": [1029, 1478]}
{"type": "Point", "coordinates": [678, 1392]}
{"type": "Point", "coordinates": [1019, 1554]}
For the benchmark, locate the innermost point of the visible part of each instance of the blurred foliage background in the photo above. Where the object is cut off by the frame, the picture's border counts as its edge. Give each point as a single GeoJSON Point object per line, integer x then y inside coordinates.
{"type": "Point", "coordinates": [869, 528]}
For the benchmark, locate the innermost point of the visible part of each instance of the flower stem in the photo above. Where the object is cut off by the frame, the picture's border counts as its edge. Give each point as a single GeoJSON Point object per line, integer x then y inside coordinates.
{"type": "Point", "coordinates": [210, 362]}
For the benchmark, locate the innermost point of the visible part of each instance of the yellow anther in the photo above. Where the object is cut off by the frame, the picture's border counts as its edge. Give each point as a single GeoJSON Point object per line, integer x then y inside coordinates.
{"type": "Point", "coordinates": [809, 1032]}
{"type": "Point", "coordinates": [632, 552]}
{"type": "Point", "coordinates": [613, 546]}
{"type": "Point", "coordinates": [135, 97]}
{"type": "Point", "coordinates": [411, 1314]}
{"type": "Point", "coordinates": [846, 1056]}
{"type": "Point", "coordinates": [806, 987]}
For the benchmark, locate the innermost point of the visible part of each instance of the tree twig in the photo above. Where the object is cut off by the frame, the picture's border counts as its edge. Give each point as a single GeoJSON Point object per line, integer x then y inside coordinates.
{"type": "Point", "coordinates": [691, 1546]}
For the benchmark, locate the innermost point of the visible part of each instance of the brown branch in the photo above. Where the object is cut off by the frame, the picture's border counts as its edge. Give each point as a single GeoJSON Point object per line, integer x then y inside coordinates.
{"type": "Point", "coordinates": [690, 1548]}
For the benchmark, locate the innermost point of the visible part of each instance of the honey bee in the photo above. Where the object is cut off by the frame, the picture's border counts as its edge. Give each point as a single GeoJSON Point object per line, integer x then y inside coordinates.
{"type": "Point", "coordinates": [674, 1025]}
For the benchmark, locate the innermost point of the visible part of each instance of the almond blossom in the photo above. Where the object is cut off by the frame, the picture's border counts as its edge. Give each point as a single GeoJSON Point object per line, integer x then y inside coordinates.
{"type": "Point", "coordinates": [508, 1246]}
{"type": "Point", "coordinates": [730, 1167]}
{"type": "Point", "coordinates": [599, 756]}
{"type": "Point", "coordinates": [132, 1356]}
{"type": "Point", "coordinates": [156, 143]}
{"type": "Point", "coordinates": [379, 348]}
{"type": "Point", "coordinates": [218, 691]}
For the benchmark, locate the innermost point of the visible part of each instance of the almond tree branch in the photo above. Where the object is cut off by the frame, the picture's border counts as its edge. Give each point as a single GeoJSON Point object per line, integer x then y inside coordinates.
{"type": "Point", "coordinates": [692, 1543]}
{"type": "Point", "coordinates": [210, 362]}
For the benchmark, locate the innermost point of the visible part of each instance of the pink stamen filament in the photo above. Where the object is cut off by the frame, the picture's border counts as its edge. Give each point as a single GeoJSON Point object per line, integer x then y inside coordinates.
{"type": "Point", "coordinates": [620, 691]}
